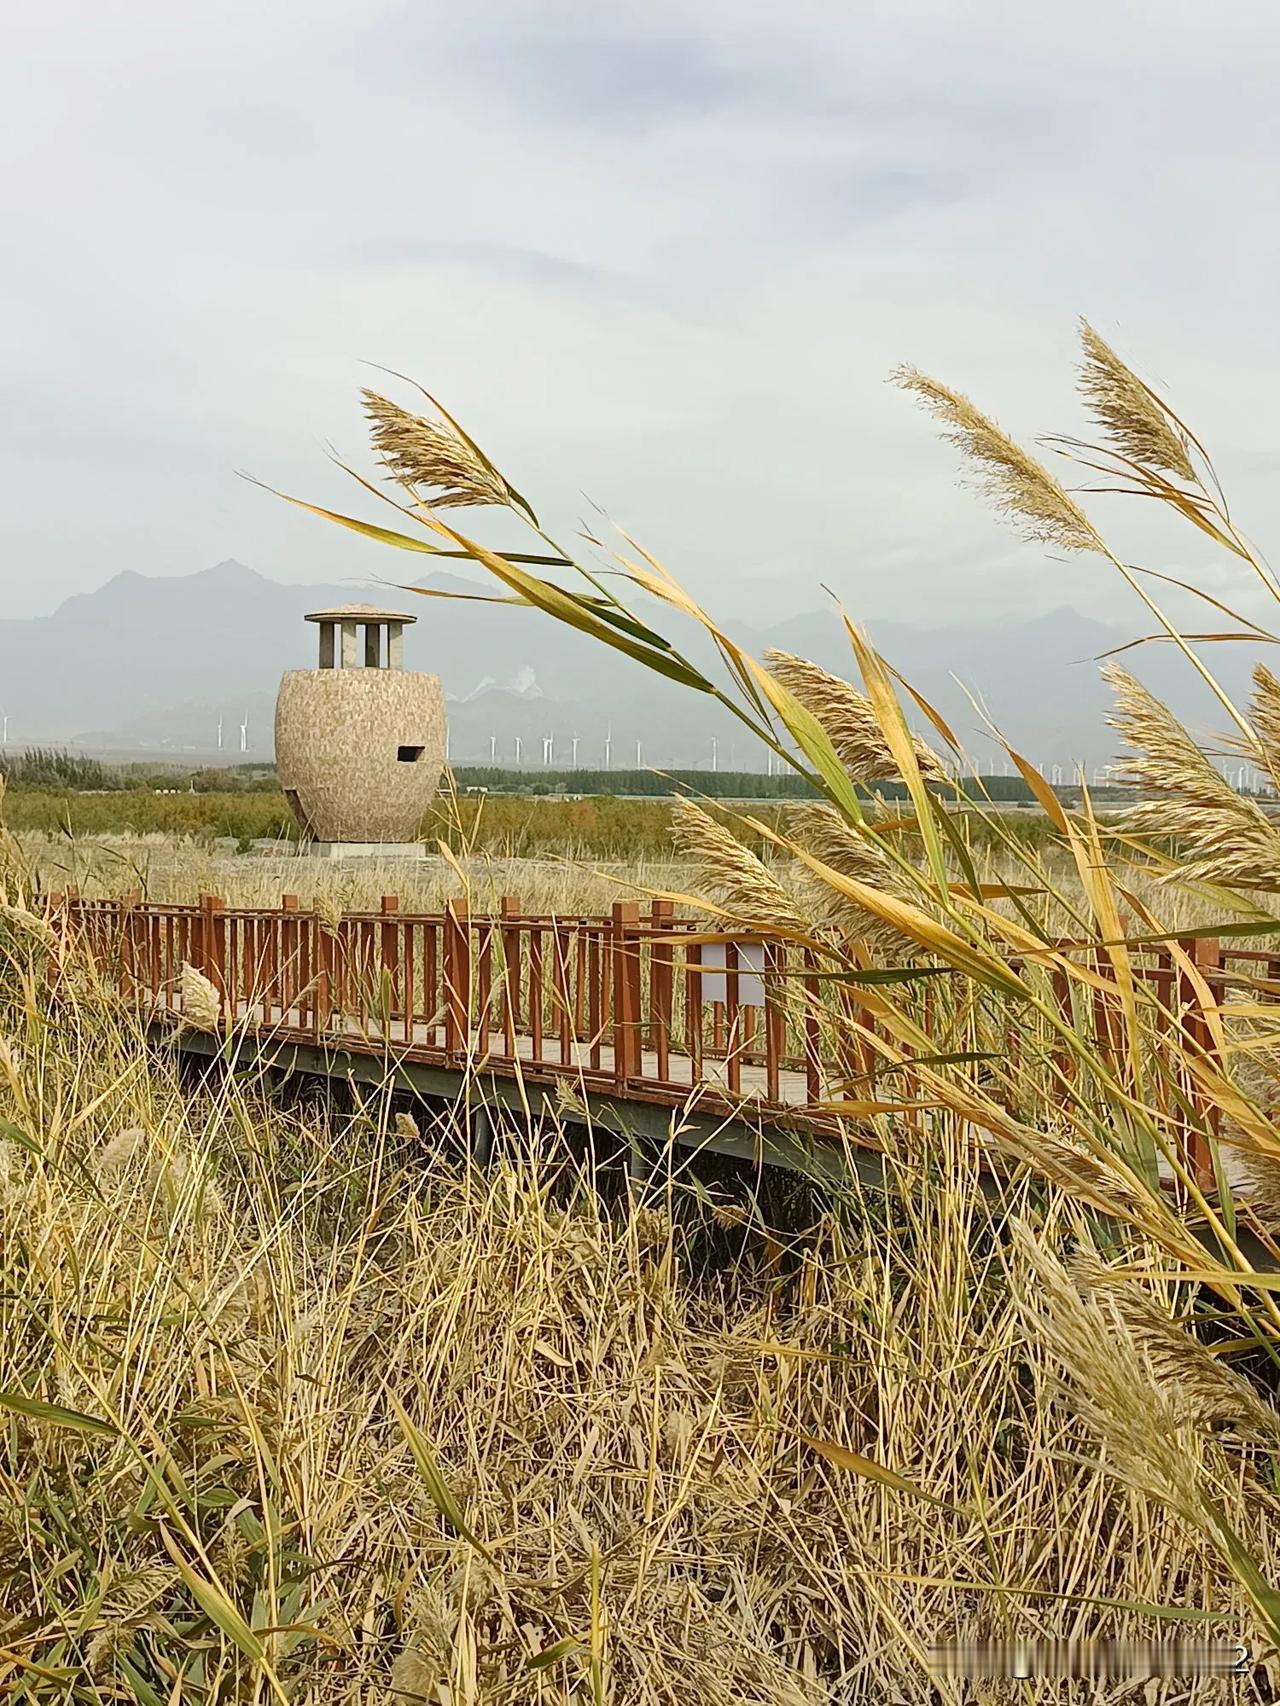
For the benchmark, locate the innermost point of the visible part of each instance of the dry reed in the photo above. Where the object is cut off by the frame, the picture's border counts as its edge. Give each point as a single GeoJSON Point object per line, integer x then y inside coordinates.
{"type": "Point", "coordinates": [1012, 480]}
{"type": "Point", "coordinates": [431, 457]}
{"type": "Point", "coordinates": [848, 719]}
{"type": "Point", "coordinates": [1132, 417]}
{"type": "Point", "coordinates": [1227, 838]}
{"type": "Point", "coordinates": [742, 884]}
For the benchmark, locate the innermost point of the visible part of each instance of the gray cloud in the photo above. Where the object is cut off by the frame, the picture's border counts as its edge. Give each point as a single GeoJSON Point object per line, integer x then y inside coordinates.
{"type": "Point", "coordinates": [663, 258]}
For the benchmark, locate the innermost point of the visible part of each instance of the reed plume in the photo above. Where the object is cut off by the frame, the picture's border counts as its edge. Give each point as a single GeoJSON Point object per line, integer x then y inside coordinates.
{"type": "Point", "coordinates": [849, 720]}
{"type": "Point", "coordinates": [1016, 484]}
{"type": "Point", "coordinates": [1204, 1391]}
{"type": "Point", "coordinates": [201, 1003]}
{"type": "Point", "coordinates": [1264, 715]}
{"type": "Point", "coordinates": [431, 456]}
{"type": "Point", "coordinates": [825, 834]}
{"type": "Point", "coordinates": [1083, 1175]}
{"type": "Point", "coordinates": [1108, 1383]}
{"type": "Point", "coordinates": [1225, 837]}
{"type": "Point", "coordinates": [1131, 415]}
{"type": "Point", "coordinates": [1259, 1184]}
{"type": "Point", "coordinates": [741, 883]}
{"type": "Point", "coordinates": [328, 911]}
{"type": "Point", "coordinates": [29, 924]}
{"type": "Point", "coordinates": [119, 1153]}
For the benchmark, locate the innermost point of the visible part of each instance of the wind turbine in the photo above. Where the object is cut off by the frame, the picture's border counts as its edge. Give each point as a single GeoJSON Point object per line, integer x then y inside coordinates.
{"type": "Point", "coordinates": [608, 746]}
{"type": "Point", "coordinates": [244, 733]}
{"type": "Point", "coordinates": [639, 759]}
{"type": "Point", "coordinates": [517, 749]}
{"type": "Point", "coordinates": [548, 749]}
{"type": "Point", "coordinates": [574, 759]}
{"type": "Point", "coordinates": [219, 734]}
{"type": "Point", "coordinates": [715, 754]}
{"type": "Point", "coordinates": [493, 749]}
{"type": "Point", "coordinates": [4, 728]}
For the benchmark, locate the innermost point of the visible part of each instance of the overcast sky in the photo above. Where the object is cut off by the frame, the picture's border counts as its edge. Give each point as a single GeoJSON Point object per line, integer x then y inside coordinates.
{"type": "Point", "coordinates": [660, 256]}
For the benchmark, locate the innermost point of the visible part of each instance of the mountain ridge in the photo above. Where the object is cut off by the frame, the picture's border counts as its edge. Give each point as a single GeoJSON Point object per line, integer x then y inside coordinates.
{"type": "Point", "coordinates": [153, 661]}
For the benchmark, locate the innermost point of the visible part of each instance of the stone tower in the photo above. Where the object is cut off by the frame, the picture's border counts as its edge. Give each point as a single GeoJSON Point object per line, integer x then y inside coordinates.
{"type": "Point", "coordinates": [360, 741]}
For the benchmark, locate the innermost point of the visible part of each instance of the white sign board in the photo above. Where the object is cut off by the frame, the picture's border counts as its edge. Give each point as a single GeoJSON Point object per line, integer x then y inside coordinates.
{"type": "Point", "coordinates": [715, 984]}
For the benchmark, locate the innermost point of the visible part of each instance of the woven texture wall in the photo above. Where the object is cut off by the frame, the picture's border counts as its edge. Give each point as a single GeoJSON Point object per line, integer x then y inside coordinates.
{"type": "Point", "coordinates": [338, 732]}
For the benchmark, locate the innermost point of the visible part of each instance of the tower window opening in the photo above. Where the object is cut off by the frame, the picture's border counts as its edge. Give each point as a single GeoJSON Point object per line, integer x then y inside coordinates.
{"type": "Point", "coordinates": [410, 754]}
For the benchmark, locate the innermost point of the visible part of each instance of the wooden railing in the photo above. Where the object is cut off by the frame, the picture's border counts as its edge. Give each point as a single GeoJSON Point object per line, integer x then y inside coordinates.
{"type": "Point", "coordinates": [637, 1002]}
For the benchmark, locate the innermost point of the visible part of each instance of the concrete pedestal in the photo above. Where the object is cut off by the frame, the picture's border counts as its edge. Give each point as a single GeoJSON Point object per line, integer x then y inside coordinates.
{"type": "Point", "coordinates": [367, 849]}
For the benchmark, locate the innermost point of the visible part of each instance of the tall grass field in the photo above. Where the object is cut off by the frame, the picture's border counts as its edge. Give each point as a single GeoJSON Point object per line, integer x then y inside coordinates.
{"type": "Point", "coordinates": [299, 1404]}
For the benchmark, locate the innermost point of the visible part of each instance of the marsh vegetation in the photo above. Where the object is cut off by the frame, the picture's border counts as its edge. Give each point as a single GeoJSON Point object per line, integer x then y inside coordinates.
{"type": "Point", "coordinates": [301, 1406]}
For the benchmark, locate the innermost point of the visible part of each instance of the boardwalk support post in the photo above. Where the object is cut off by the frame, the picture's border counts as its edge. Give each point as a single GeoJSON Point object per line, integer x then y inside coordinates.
{"type": "Point", "coordinates": [481, 1134]}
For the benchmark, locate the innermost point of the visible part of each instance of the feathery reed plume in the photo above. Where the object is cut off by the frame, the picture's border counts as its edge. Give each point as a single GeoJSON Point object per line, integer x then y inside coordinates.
{"type": "Point", "coordinates": [432, 455]}
{"type": "Point", "coordinates": [1019, 486]}
{"type": "Point", "coordinates": [39, 929]}
{"type": "Point", "coordinates": [414, 1677]}
{"type": "Point", "coordinates": [201, 1003]}
{"type": "Point", "coordinates": [1082, 1174]}
{"type": "Point", "coordinates": [742, 884]}
{"type": "Point", "coordinates": [1129, 412]}
{"type": "Point", "coordinates": [1205, 1393]}
{"type": "Point", "coordinates": [406, 1126]}
{"type": "Point", "coordinates": [119, 1153]}
{"type": "Point", "coordinates": [127, 1606]}
{"type": "Point", "coordinates": [1226, 838]}
{"type": "Point", "coordinates": [825, 834]}
{"type": "Point", "coordinates": [328, 911]}
{"type": "Point", "coordinates": [1108, 1382]}
{"type": "Point", "coordinates": [1264, 715]}
{"type": "Point", "coordinates": [848, 719]}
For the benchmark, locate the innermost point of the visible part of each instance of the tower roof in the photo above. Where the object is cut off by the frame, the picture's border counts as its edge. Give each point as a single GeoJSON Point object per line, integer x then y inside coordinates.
{"type": "Point", "coordinates": [358, 613]}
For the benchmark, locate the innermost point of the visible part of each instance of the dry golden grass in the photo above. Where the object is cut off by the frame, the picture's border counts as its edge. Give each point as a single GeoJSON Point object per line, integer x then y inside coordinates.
{"type": "Point", "coordinates": [353, 1418]}
{"type": "Point", "coordinates": [302, 1407]}
{"type": "Point", "coordinates": [171, 868]}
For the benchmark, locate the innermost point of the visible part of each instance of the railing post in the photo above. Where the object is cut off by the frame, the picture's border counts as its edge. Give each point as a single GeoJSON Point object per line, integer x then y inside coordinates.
{"type": "Point", "coordinates": [775, 1020]}
{"type": "Point", "coordinates": [509, 908]}
{"type": "Point", "coordinates": [60, 923]}
{"type": "Point", "coordinates": [626, 990]}
{"type": "Point", "coordinates": [212, 946]}
{"type": "Point", "coordinates": [811, 992]}
{"type": "Point", "coordinates": [288, 961]}
{"type": "Point", "coordinates": [661, 982]}
{"type": "Point", "coordinates": [389, 952]}
{"type": "Point", "coordinates": [322, 971]}
{"type": "Point", "coordinates": [128, 943]}
{"type": "Point", "coordinates": [457, 978]}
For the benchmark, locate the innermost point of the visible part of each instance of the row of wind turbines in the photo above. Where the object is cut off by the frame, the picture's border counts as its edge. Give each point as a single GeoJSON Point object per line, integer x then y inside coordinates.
{"type": "Point", "coordinates": [244, 734]}
{"type": "Point", "coordinates": [549, 752]}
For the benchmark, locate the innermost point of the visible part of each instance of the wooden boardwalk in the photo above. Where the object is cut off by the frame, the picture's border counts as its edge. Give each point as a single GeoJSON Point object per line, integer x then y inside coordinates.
{"type": "Point", "coordinates": [724, 1038]}
{"type": "Point", "coordinates": [634, 1013]}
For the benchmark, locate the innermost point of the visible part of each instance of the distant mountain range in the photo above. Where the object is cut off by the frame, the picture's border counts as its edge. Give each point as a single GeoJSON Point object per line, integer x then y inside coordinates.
{"type": "Point", "coordinates": [153, 665]}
